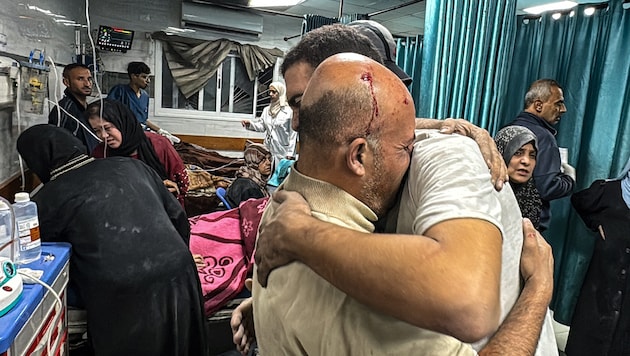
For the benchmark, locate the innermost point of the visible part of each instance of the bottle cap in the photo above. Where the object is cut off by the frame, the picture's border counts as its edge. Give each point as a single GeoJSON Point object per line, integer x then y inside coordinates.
{"type": "Point", "coordinates": [3, 206]}
{"type": "Point", "coordinates": [22, 197]}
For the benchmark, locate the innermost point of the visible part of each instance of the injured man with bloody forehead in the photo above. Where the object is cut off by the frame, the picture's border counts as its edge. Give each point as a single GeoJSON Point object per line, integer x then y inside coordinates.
{"type": "Point", "coordinates": [349, 171]}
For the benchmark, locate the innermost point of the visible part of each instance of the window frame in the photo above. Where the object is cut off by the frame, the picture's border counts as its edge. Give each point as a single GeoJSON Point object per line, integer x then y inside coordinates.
{"type": "Point", "coordinates": [160, 112]}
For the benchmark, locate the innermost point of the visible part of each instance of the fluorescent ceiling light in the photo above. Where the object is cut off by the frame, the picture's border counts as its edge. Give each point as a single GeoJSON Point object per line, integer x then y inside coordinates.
{"type": "Point", "coordinates": [37, 8]}
{"type": "Point", "coordinates": [560, 5]}
{"type": "Point", "coordinates": [273, 3]}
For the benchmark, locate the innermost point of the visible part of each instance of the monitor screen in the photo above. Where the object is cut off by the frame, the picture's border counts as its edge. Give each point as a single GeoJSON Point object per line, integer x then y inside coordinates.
{"type": "Point", "coordinates": [114, 39]}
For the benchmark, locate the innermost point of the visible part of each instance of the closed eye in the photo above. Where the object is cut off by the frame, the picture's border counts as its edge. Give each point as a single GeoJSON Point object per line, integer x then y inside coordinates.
{"type": "Point", "coordinates": [295, 101]}
{"type": "Point", "coordinates": [409, 147]}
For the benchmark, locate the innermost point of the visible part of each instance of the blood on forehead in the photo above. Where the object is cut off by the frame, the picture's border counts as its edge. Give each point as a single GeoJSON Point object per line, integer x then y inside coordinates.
{"type": "Point", "coordinates": [367, 77]}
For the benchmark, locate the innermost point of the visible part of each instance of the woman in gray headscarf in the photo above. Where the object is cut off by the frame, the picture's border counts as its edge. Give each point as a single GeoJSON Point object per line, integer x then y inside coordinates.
{"type": "Point", "coordinates": [519, 147]}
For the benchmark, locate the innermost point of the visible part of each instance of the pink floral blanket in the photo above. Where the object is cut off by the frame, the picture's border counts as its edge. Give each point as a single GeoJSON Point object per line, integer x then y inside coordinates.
{"type": "Point", "coordinates": [225, 240]}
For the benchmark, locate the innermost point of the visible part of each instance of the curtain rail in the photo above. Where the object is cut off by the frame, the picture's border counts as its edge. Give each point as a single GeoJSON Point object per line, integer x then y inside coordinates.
{"type": "Point", "coordinates": [394, 8]}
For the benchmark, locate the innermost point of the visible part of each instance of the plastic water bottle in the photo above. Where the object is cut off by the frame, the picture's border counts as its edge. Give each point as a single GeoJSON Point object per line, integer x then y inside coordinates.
{"type": "Point", "coordinates": [28, 228]}
{"type": "Point", "coordinates": [6, 222]}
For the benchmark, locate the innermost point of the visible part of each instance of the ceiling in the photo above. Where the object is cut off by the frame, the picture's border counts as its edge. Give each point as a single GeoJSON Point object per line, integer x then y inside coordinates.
{"type": "Point", "coordinates": [404, 21]}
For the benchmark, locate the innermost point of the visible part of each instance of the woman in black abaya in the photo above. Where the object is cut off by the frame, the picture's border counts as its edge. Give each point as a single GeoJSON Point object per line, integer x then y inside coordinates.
{"type": "Point", "coordinates": [601, 320]}
{"type": "Point", "coordinates": [130, 259]}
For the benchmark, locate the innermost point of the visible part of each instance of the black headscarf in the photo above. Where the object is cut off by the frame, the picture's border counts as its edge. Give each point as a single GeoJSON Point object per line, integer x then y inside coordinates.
{"type": "Point", "coordinates": [133, 137]}
{"type": "Point", "coordinates": [46, 148]}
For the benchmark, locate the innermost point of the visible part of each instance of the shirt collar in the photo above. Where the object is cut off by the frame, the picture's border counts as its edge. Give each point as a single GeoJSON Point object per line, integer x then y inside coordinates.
{"type": "Point", "coordinates": [331, 200]}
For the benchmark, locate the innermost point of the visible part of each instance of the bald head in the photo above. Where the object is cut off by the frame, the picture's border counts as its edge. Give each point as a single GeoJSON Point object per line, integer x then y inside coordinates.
{"type": "Point", "coordinates": [357, 123]}
{"type": "Point", "coordinates": [349, 96]}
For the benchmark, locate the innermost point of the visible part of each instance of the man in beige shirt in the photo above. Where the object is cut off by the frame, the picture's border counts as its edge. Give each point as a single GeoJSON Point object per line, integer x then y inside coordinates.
{"type": "Point", "coordinates": [357, 131]}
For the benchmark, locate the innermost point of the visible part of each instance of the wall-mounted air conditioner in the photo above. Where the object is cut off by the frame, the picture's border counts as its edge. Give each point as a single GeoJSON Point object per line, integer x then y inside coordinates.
{"type": "Point", "coordinates": [225, 21]}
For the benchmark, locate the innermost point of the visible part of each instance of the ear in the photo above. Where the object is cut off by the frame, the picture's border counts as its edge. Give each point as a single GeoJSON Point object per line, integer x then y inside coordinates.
{"type": "Point", "coordinates": [66, 82]}
{"type": "Point", "coordinates": [538, 104]}
{"type": "Point", "coordinates": [356, 156]}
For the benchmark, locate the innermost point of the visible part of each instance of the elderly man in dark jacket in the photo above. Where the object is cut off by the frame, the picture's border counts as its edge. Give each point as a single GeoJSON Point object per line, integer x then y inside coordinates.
{"type": "Point", "coordinates": [544, 105]}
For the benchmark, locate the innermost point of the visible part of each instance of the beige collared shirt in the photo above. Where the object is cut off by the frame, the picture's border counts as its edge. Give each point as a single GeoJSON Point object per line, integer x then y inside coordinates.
{"type": "Point", "coordinates": [299, 313]}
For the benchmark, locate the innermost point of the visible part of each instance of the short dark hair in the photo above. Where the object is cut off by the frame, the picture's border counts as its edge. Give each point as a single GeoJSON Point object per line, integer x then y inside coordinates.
{"type": "Point", "coordinates": [138, 68]}
{"type": "Point", "coordinates": [319, 44]}
{"type": "Point", "coordinates": [70, 67]}
{"type": "Point", "coordinates": [540, 90]}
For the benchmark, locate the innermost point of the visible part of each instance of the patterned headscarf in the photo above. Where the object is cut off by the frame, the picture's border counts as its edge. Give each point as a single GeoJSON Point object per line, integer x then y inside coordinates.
{"type": "Point", "coordinates": [254, 154]}
{"type": "Point", "coordinates": [277, 105]}
{"type": "Point", "coordinates": [133, 137]}
{"type": "Point", "coordinates": [509, 140]}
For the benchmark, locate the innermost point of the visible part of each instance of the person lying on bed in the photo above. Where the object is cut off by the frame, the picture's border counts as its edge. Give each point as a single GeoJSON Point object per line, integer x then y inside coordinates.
{"type": "Point", "coordinates": [130, 259]}
{"type": "Point", "coordinates": [124, 136]}
{"type": "Point", "coordinates": [251, 178]}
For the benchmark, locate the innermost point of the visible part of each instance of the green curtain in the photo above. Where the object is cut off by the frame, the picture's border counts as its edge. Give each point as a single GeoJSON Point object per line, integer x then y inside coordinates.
{"type": "Point", "coordinates": [346, 19]}
{"type": "Point", "coordinates": [409, 58]}
{"type": "Point", "coordinates": [588, 56]}
{"type": "Point", "coordinates": [312, 22]}
{"type": "Point", "coordinates": [466, 55]}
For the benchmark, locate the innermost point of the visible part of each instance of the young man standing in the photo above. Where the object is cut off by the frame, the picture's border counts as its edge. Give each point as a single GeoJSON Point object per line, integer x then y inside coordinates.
{"type": "Point", "coordinates": [136, 98]}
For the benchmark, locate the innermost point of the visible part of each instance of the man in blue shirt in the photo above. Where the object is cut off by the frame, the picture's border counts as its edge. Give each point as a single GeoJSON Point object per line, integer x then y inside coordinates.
{"type": "Point", "coordinates": [135, 97]}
